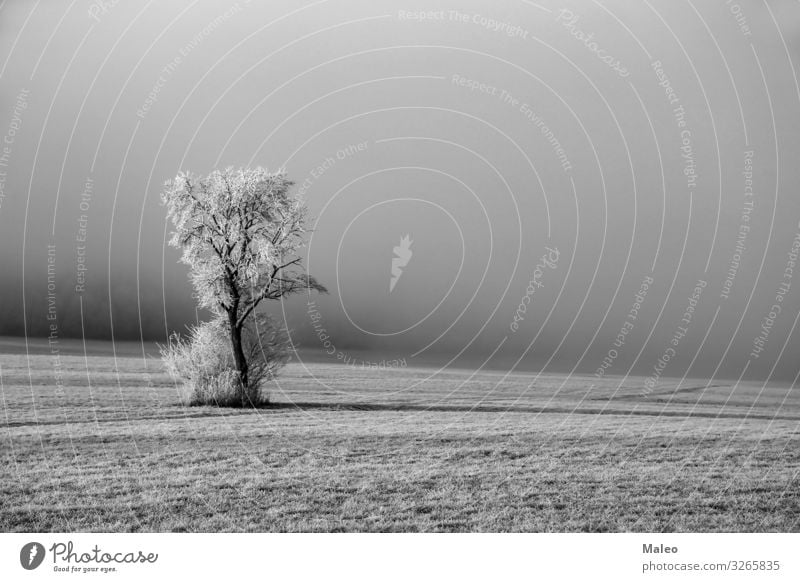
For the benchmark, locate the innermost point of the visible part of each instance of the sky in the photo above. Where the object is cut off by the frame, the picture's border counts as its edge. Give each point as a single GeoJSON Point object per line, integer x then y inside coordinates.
{"type": "Point", "coordinates": [599, 188]}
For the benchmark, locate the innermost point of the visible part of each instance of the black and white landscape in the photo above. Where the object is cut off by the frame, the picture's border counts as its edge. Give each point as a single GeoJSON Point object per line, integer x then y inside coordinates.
{"type": "Point", "coordinates": [343, 266]}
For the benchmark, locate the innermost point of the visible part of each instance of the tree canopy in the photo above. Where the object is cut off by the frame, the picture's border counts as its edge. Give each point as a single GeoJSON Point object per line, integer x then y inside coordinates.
{"type": "Point", "coordinates": [240, 231]}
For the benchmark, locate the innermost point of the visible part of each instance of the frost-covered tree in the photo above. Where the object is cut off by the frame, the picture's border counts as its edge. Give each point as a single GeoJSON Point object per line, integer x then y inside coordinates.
{"type": "Point", "coordinates": [240, 231]}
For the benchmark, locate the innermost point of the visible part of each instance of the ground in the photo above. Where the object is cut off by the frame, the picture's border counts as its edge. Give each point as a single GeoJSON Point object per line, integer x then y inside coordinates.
{"type": "Point", "coordinates": [101, 444]}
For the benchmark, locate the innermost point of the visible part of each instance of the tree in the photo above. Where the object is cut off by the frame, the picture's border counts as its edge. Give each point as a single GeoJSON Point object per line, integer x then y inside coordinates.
{"type": "Point", "coordinates": [240, 231]}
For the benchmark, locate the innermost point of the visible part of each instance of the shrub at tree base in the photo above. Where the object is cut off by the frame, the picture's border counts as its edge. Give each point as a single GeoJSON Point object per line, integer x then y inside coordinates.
{"type": "Point", "coordinates": [204, 366]}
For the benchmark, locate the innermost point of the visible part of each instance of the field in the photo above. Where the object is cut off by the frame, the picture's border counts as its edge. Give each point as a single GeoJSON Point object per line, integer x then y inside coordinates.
{"type": "Point", "coordinates": [100, 443]}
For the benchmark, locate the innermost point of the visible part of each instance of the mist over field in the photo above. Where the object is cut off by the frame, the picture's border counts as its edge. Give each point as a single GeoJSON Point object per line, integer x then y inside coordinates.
{"type": "Point", "coordinates": [648, 142]}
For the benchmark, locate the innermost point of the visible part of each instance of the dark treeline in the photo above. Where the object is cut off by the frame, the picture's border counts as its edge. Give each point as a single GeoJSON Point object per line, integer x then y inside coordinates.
{"type": "Point", "coordinates": [120, 311]}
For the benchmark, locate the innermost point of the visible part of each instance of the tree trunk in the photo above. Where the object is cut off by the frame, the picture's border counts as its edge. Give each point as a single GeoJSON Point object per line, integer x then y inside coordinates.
{"type": "Point", "coordinates": [238, 355]}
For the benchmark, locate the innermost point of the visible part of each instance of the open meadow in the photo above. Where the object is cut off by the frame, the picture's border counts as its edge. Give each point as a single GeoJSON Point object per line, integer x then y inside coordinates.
{"type": "Point", "coordinates": [100, 443]}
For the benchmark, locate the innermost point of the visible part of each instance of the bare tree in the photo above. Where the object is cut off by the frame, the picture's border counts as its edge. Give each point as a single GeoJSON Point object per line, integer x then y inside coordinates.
{"type": "Point", "coordinates": [240, 231]}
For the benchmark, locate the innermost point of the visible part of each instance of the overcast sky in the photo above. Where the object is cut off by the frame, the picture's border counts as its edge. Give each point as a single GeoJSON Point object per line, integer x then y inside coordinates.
{"type": "Point", "coordinates": [645, 146]}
